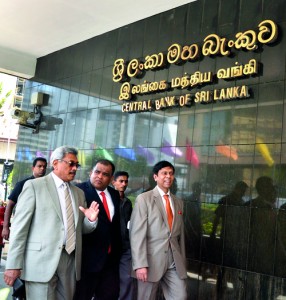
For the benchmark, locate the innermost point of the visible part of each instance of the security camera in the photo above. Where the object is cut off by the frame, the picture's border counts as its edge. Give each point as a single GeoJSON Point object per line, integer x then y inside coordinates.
{"type": "Point", "coordinates": [22, 115]}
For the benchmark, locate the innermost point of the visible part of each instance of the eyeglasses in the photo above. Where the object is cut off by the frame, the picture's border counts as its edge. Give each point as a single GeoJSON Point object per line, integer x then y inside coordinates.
{"type": "Point", "coordinates": [71, 163]}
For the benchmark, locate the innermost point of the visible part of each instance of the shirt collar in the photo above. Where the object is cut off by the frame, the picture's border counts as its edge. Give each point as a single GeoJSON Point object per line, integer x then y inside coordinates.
{"type": "Point", "coordinates": [161, 192]}
{"type": "Point", "coordinates": [98, 191]}
{"type": "Point", "coordinates": [58, 181]}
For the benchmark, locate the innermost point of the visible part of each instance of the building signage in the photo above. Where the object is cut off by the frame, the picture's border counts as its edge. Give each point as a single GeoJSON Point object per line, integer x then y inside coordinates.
{"type": "Point", "coordinates": [213, 45]}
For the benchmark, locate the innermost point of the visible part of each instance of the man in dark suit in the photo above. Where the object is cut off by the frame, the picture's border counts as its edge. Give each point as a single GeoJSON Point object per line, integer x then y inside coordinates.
{"type": "Point", "coordinates": [101, 248]}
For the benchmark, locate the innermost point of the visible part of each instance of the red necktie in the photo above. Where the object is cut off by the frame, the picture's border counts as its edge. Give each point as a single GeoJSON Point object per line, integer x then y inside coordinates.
{"type": "Point", "coordinates": [104, 201]}
{"type": "Point", "coordinates": [169, 211]}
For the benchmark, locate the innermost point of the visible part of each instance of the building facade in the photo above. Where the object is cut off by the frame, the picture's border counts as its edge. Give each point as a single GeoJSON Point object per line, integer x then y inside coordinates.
{"type": "Point", "coordinates": [202, 86]}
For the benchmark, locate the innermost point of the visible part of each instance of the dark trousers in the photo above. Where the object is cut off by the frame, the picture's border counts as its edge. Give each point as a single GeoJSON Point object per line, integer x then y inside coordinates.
{"type": "Point", "coordinates": [127, 283]}
{"type": "Point", "coordinates": [103, 285]}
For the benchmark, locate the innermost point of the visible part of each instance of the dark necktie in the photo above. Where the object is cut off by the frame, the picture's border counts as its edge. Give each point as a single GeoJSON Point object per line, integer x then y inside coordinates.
{"type": "Point", "coordinates": [169, 211]}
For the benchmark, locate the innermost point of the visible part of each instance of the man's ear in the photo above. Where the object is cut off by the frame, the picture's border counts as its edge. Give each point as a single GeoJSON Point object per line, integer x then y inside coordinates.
{"type": "Point", "coordinates": [155, 177]}
{"type": "Point", "coordinates": [55, 163]}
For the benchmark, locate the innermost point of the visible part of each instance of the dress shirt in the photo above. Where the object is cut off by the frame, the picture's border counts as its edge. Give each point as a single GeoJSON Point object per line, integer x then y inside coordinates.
{"type": "Point", "coordinates": [163, 200]}
{"type": "Point", "coordinates": [109, 201]}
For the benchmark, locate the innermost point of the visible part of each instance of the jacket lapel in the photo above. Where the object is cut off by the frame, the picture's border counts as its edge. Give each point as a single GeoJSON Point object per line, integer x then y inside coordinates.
{"type": "Point", "coordinates": [95, 196]}
{"type": "Point", "coordinates": [52, 190]}
{"type": "Point", "coordinates": [76, 204]}
{"type": "Point", "coordinates": [160, 205]}
{"type": "Point", "coordinates": [175, 212]}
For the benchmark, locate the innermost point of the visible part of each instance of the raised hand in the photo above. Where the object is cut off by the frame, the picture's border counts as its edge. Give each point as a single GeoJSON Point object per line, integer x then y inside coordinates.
{"type": "Point", "coordinates": [92, 212]}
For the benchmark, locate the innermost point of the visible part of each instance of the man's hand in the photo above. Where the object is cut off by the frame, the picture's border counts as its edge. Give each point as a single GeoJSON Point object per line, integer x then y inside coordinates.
{"type": "Point", "coordinates": [11, 275]}
{"type": "Point", "coordinates": [92, 212]}
{"type": "Point", "coordinates": [5, 233]}
{"type": "Point", "coordinates": [141, 274]}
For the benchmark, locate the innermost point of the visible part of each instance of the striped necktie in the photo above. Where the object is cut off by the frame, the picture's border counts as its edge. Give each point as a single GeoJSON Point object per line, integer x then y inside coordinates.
{"type": "Point", "coordinates": [70, 234]}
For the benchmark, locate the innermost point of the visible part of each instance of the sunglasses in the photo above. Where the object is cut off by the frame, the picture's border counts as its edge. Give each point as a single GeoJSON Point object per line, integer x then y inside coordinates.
{"type": "Point", "coordinates": [71, 163]}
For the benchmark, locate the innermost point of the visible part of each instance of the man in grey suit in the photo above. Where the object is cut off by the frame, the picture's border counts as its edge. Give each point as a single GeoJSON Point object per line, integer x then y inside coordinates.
{"type": "Point", "coordinates": [157, 239]}
{"type": "Point", "coordinates": [46, 234]}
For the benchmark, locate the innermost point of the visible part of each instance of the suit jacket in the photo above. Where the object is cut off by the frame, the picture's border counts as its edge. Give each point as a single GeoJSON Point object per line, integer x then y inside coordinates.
{"type": "Point", "coordinates": [37, 232]}
{"type": "Point", "coordinates": [150, 236]}
{"type": "Point", "coordinates": [96, 244]}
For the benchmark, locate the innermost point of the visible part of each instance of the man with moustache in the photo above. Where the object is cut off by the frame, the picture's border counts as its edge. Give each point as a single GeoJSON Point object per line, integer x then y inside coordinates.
{"type": "Point", "coordinates": [102, 247]}
{"type": "Point", "coordinates": [46, 234]}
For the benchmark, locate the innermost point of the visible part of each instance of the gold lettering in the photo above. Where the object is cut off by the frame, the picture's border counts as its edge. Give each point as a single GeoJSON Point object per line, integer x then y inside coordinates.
{"type": "Point", "coordinates": [213, 44]}
{"type": "Point", "coordinates": [125, 91]}
{"type": "Point", "coordinates": [175, 82]}
{"type": "Point", "coordinates": [119, 70]}
{"type": "Point", "coordinates": [244, 92]}
{"type": "Point", "coordinates": [132, 105]}
{"type": "Point", "coordinates": [133, 68]}
{"type": "Point", "coordinates": [190, 52]}
{"type": "Point", "coordinates": [216, 95]}
{"type": "Point", "coordinates": [203, 96]}
{"type": "Point", "coordinates": [185, 81]}
{"type": "Point", "coordinates": [139, 107]}
{"type": "Point", "coordinates": [174, 54]}
{"type": "Point", "coordinates": [246, 40]}
{"type": "Point", "coordinates": [250, 68]}
{"type": "Point", "coordinates": [182, 100]}
{"type": "Point", "coordinates": [236, 71]}
{"type": "Point", "coordinates": [267, 28]}
{"type": "Point", "coordinates": [195, 78]}
{"type": "Point", "coordinates": [197, 97]}
{"type": "Point", "coordinates": [157, 104]}
{"type": "Point", "coordinates": [233, 92]}
{"type": "Point", "coordinates": [162, 102]}
{"type": "Point", "coordinates": [144, 87]}
{"type": "Point", "coordinates": [187, 99]}
{"type": "Point", "coordinates": [170, 101]}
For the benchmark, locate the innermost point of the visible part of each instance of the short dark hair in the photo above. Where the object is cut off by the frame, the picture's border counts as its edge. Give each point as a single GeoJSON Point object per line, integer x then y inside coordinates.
{"type": "Point", "coordinates": [39, 159]}
{"type": "Point", "coordinates": [263, 184]}
{"type": "Point", "coordinates": [120, 173]}
{"type": "Point", "coordinates": [105, 162]}
{"type": "Point", "coordinates": [162, 164]}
